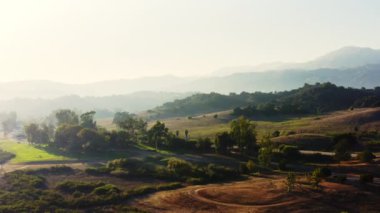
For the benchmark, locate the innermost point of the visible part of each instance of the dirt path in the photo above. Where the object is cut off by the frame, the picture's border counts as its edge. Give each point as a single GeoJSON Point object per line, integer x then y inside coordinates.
{"type": "Point", "coordinates": [253, 195]}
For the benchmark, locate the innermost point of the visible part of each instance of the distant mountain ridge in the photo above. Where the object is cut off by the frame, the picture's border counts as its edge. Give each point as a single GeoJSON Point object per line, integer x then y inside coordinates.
{"type": "Point", "coordinates": [349, 66]}
{"type": "Point", "coordinates": [105, 106]}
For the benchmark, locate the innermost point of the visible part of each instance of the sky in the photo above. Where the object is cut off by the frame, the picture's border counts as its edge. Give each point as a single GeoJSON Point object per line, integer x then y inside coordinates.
{"type": "Point", "coordinates": [80, 41]}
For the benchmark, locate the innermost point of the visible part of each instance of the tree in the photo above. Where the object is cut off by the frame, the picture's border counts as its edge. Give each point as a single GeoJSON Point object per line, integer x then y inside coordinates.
{"type": "Point", "coordinates": [38, 134]}
{"type": "Point", "coordinates": [130, 123]}
{"type": "Point", "coordinates": [10, 123]}
{"type": "Point", "coordinates": [91, 140]}
{"type": "Point", "coordinates": [223, 143]}
{"type": "Point", "coordinates": [244, 135]}
{"type": "Point", "coordinates": [158, 134]}
{"type": "Point", "coordinates": [186, 135]}
{"type": "Point", "coordinates": [87, 120]}
{"type": "Point", "coordinates": [66, 137]}
{"type": "Point", "coordinates": [66, 116]}
{"type": "Point", "coordinates": [265, 151]}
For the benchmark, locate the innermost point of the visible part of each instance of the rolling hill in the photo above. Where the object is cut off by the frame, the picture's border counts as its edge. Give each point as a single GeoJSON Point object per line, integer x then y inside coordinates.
{"type": "Point", "coordinates": [309, 99]}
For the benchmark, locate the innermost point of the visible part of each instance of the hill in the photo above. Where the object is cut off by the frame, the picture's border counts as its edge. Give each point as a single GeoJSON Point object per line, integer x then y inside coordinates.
{"type": "Point", "coordinates": [349, 66]}
{"type": "Point", "coordinates": [309, 99]}
{"type": "Point", "coordinates": [105, 105]}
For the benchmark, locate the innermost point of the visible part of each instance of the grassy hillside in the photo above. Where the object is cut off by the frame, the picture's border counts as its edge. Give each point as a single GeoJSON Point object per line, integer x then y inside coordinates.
{"type": "Point", "coordinates": [338, 121]}
{"type": "Point", "coordinates": [27, 153]}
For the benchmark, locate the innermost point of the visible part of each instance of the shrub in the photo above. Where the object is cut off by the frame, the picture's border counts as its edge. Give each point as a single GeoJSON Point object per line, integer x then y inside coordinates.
{"type": "Point", "coordinates": [290, 152]}
{"type": "Point", "coordinates": [97, 171]}
{"type": "Point", "coordinates": [52, 170]}
{"type": "Point", "coordinates": [5, 156]}
{"type": "Point", "coordinates": [291, 133]}
{"type": "Point", "coordinates": [366, 178]}
{"type": "Point", "coordinates": [120, 173]}
{"type": "Point", "coordinates": [73, 186]}
{"type": "Point", "coordinates": [340, 178]}
{"type": "Point", "coordinates": [217, 173]}
{"type": "Point", "coordinates": [366, 156]}
{"type": "Point", "coordinates": [19, 180]}
{"type": "Point", "coordinates": [325, 172]}
{"type": "Point", "coordinates": [106, 190]}
{"type": "Point", "coordinates": [276, 133]}
{"type": "Point", "coordinates": [282, 165]}
{"type": "Point", "coordinates": [243, 168]}
{"type": "Point", "coordinates": [290, 182]}
{"type": "Point", "coordinates": [180, 168]}
{"type": "Point", "coordinates": [251, 167]}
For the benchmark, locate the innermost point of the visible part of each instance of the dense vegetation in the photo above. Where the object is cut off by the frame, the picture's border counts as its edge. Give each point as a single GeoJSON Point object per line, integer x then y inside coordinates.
{"type": "Point", "coordinates": [5, 156]}
{"type": "Point", "coordinates": [309, 99]}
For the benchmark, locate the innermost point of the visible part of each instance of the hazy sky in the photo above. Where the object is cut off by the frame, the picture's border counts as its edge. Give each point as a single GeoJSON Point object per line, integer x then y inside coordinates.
{"type": "Point", "coordinates": [92, 40]}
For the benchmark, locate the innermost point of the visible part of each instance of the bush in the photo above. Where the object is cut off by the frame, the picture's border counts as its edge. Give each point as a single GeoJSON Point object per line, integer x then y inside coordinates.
{"type": "Point", "coordinates": [282, 165]}
{"type": "Point", "coordinates": [19, 180]}
{"type": "Point", "coordinates": [53, 170]}
{"type": "Point", "coordinates": [243, 168]}
{"type": "Point", "coordinates": [339, 178]}
{"type": "Point", "coordinates": [106, 190]}
{"type": "Point", "coordinates": [366, 178]}
{"type": "Point", "coordinates": [290, 152]}
{"type": "Point", "coordinates": [180, 168]}
{"type": "Point", "coordinates": [120, 173]}
{"type": "Point", "coordinates": [366, 156]}
{"type": "Point", "coordinates": [97, 171]}
{"type": "Point", "coordinates": [78, 186]}
{"type": "Point", "coordinates": [251, 167]}
{"type": "Point", "coordinates": [5, 156]}
{"type": "Point", "coordinates": [325, 172]}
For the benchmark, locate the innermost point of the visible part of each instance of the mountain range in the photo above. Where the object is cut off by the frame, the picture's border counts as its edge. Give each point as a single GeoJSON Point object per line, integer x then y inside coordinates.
{"type": "Point", "coordinates": [349, 66]}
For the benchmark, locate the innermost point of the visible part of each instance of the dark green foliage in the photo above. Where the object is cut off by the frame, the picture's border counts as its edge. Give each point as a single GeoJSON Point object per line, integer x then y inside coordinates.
{"type": "Point", "coordinates": [87, 120]}
{"type": "Point", "coordinates": [158, 135]}
{"type": "Point", "coordinates": [344, 143]}
{"type": "Point", "coordinates": [77, 186]}
{"type": "Point", "coordinates": [223, 142]}
{"type": "Point", "coordinates": [265, 151]}
{"type": "Point", "coordinates": [290, 182]}
{"type": "Point", "coordinates": [339, 178]}
{"type": "Point", "coordinates": [243, 135]}
{"type": "Point", "coordinates": [217, 173]}
{"type": "Point", "coordinates": [153, 188]}
{"type": "Point", "coordinates": [366, 178]}
{"type": "Point", "coordinates": [282, 164]}
{"type": "Point", "coordinates": [106, 190]}
{"type": "Point", "coordinates": [309, 99]}
{"type": "Point", "coordinates": [19, 180]}
{"type": "Point", "coordinates": [5, 156]}
{"type": "Point", "coordinates": [39, 134]}
{"type": "Point", "coordinates": [318, 175]}
{"type": "Point", "coordinates": [290, 153]}
{"type": "Point", "coordinates": [276, 133]}
{"type": "Point", "coordinates": [366, 156]}
{"type": "Point", "coordinates": [67, 117]}
{"type": "Point", "coordinates": [180, 168]}
{"type": "Point", "coordinates": [57, 170]}
{"type": "Point", "coordinates": [325, 172]}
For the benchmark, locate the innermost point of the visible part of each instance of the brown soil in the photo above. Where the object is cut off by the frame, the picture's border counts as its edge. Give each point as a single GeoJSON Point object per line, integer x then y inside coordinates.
{"type": "Point", "coordinates": [260, 195]}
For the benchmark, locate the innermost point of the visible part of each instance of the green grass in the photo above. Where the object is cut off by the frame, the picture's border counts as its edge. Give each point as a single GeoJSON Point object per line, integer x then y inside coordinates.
{"type": "Point", "coordinates": [28, 153]}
